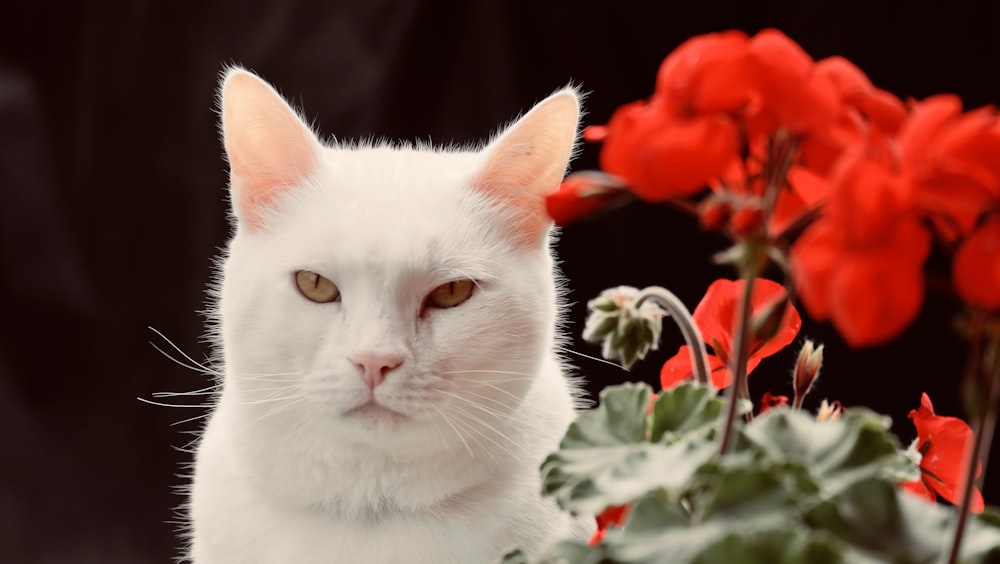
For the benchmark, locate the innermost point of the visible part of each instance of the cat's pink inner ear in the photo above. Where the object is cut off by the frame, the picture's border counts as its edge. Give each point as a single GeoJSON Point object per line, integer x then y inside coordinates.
{"type": "Point", "coordinates": [270, 149]}
{"type": "Point", "coordinates": [529, 160]}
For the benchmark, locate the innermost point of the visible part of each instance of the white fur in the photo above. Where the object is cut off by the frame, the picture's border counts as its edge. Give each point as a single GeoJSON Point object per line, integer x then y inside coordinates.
{"type": "Point", "coordinates": [282, 475]}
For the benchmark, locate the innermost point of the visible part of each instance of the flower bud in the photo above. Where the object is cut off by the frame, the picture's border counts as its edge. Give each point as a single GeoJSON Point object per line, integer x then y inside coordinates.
{"type": "Point", "coordinates": [806, 370]}
{"type": "Point", "coordinates": [829, 411]}
{"type": "Point", "coordinates": [627, 333]}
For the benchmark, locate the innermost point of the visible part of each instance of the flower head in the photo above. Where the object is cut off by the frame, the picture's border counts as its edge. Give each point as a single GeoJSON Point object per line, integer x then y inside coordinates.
{"type": "Point", "coordinates": [716, 315]}
{"type": "Point", "coordinates": [942, 443]}
{"type": "Point", "coordinates": [628, 331]}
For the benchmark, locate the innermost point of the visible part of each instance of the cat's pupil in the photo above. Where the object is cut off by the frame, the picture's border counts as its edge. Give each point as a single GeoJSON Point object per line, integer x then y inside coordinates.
{"type": "Point", "coordinates": [316, 287]}
{"type": "Point", "coordinates": [450, 294]}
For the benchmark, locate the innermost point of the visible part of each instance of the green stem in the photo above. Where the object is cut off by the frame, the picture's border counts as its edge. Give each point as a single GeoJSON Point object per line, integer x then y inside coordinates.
{"type": "Point", "coordinates": [983, 377]}
{"type": "Point", "coordinates": [682, 317]}
{"type": "Point", "coordinates": [741, 342]}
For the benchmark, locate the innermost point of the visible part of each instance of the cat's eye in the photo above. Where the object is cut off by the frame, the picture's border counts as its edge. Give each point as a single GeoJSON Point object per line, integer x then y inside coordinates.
{"type": "Point", "coordinates": [316, 287]}
{"type": "Point", "coordinates": [450, 294]}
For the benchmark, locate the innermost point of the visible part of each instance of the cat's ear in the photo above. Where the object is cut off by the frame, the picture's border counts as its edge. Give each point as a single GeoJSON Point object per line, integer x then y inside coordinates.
{"type": "Point", "coordinates": [529, 160]}
{"type": "Point", "coordinates": [270, 149]}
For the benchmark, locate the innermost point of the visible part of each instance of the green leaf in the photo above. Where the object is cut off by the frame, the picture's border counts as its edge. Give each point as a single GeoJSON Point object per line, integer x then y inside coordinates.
{"type": "Point", "coordinates": [837, 453]}
{"type": "Point", "coordinates": [876, 517]}
{"type": "Point", "coordinates": [619, 419]}
{"type": "Point", "coordinates": [661, 530]}
{"type": "Point", "coordinates": [605, 458]}
{"type": "Point", "coordinates": [686, 407]}
{"type": "Point", "coordinates": [564, 552]}
{"type": "Point", "coordinates": [791, 545]}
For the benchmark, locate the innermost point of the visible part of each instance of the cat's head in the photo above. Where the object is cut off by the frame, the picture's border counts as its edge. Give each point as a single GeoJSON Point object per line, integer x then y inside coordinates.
{"type": "Point", "coordinates": [385, 294]}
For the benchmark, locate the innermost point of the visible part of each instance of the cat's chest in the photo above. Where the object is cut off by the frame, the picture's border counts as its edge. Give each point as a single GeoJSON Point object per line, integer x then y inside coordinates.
{"type": "Point", "coordinates": [309, 540]}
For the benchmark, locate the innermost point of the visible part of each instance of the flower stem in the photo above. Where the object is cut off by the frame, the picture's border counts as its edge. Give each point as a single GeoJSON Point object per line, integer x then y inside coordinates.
{"type": "Point", "coordinates": [741, 347]}
{"type": "Point", "coordinates": [983, 381]}
{"type": "Point", "coordinates": [682, 317]}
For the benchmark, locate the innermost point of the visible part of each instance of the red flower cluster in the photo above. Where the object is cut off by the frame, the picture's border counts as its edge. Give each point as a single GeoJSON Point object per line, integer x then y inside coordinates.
{"type": "Point", "coordinates": [776, 134]}
{"type": "Point", "coordinates": [861, 265]}
{"type": "Point", "coordinates": [716, 315]}
{"type": "Point", "coordinates": [942, 442]}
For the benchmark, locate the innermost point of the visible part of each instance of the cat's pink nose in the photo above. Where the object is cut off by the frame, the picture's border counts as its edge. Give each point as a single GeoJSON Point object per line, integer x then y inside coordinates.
{"type": "Point", "coordinates": [375, 366]}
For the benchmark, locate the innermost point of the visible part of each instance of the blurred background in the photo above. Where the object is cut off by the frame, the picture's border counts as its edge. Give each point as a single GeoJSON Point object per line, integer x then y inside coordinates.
{"type": "Point", "coordinates": [113, 204]}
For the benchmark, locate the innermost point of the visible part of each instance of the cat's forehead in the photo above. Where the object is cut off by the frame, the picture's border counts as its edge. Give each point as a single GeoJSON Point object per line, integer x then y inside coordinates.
{"type": "Point", "coordinates": [407, 208]}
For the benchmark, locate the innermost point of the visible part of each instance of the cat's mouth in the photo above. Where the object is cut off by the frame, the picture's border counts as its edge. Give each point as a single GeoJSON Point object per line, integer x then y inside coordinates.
{"type": "Point", "coordinates": [371, 411]}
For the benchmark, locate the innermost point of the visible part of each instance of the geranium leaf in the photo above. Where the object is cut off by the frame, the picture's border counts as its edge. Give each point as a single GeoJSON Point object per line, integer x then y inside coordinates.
{"type": "Point", "coordinates": [876, 517]}
{"type": "Point", "coordinates": [837, 453]}
{"type": "Point", "coordinates": [790, 545]}
{"type": "Point", "coordinates": [606, 459]}
{"type": "Point", "coordinates": [565, 551]}
{"type": "Point", "coordinates": [683, 408]}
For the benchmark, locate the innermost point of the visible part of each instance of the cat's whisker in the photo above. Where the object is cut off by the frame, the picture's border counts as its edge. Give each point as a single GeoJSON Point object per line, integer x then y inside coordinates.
{"type": "Point", "coordinates": [467, 401]}
{"type": "Point", "coordinates": [589, 357]}
{"type": "Point", "coordinates": [454, 428]}
{"type": "Point", "coordinates": [434, 426]}
{"type": "Point", "coordinates": [509, 407]}
{"type": "Point", "coordinates": [499, 389]}
{"type": "Point", "coordinates": [161, 404]}
{"type": "Point", "coordinates": [282, 406]}
{"type": "Point", "coordinates": [486, 425]}
{"type": "Point", "coordinates": [201, 367]}
{"type": "Point", "coordinates": [188, 420]}
{"type": "Point", "coordinates": [202, 392]}
{"type": "Point", "coordinates": [270, 400]}
{"type": "Point", "coordinates": [485, 371]}
{"type": "Point", "coordinates": [194, 366]}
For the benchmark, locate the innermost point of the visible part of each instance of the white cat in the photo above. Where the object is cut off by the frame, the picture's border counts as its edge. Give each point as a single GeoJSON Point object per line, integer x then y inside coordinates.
{"type": "Point", "coordinates": [387, 323]}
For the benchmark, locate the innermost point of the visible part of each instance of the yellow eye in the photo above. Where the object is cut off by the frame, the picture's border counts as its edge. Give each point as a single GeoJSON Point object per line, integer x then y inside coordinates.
{"type": "Point", "coordinates": [315, 287]}
{"type": "Point", "coordinates": [450, 294]}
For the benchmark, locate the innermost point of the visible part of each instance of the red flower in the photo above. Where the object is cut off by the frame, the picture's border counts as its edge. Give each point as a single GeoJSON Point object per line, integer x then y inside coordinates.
{"type": "Point", "coordinates": [976, 270]}
{"type": "Point", "coordinates": [716, 316]}
{"type": "Point", "coordinates": [661, 156]}
{"type": "Point", "coordinates": [795, 96]}
{"type": "Point", "coordinates": [861, 265]}
{"type": "Point", "coordinates": [614, 515]}
{"type": "Point", "coordinates": [583, 194]}
{"type": "Point", "coordinates": [951, 159]}
{"type": "Point", "coordinates": [944, 443]}
{"type": "Point", "coordinates": [767, 401]}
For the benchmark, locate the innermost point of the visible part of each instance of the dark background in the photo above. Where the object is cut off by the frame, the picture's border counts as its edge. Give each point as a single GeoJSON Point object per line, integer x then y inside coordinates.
{"type": "Point", "coordinates": [113, 204]}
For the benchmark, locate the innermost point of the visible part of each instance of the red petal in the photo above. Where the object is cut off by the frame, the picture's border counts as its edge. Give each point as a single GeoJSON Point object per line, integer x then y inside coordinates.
{"type": "Point", "coordinates": [799, 98]}
{"type": "Point", "coordinates": [716, 317]}
{"type": "Point", "coordinates": [976, 270]}
{"type": "Point", "coordinates": [709, 73]}
{"type": "Point", "coordinates": [923, 124]}
{"type": "Point", "coordinates": [947, 441]}
{"type": "Point", "coordinates": [768, 401]}
{"type": "Point", "coordinates": [874, 296]}
{"type": "Point", "coordinates": [679, 369]}
{"type": "Point", "coordinates": [716, 313]}
{"type": "Point", "coordinates": [866, 199]}
{"type": "Point", "coordinates": [919, 488]}
{"type": "Point", "coordinates": [851, 82]}
{"type": "Point", "coordinates": [815, 256]}
{"type": "Point", "coordinates": [614, 515]}
{"type": "Point", "coordinates": [580, 195]}
{"type": "Point", "coordinates": [660, 157]}
{"type": "Point", "coordinates": [765, 293]}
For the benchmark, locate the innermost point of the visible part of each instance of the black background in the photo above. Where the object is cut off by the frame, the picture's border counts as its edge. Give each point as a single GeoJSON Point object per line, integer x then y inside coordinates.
{"type": "Point", "coordinates": [113, 204]}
